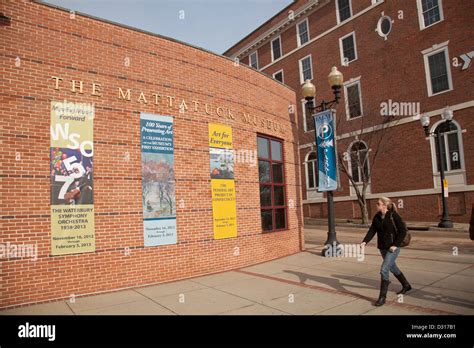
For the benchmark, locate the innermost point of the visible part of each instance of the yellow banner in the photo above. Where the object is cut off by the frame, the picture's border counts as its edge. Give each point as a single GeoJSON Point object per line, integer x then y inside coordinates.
{"type": "Point", "coordinates": [224, 208]}
{"type": "Point", "coordinates": [222, 181]}
{"type": "Point", "coordinates": [71, 154]}
{"type": "Point", "coordinates": [220, 136]}
{"type": "Point", "coordinates": [72, 229]}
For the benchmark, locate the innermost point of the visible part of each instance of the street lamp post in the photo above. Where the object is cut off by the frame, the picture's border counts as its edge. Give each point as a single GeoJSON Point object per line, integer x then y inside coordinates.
{"type": "Point", "coordinates": [447, 116]}
{"type": "Point", "coordinates": [335, 79]}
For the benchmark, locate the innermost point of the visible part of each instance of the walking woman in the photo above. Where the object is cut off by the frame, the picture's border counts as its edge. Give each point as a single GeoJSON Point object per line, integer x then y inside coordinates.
{"type": "Point", "coordinates": [386, 223]}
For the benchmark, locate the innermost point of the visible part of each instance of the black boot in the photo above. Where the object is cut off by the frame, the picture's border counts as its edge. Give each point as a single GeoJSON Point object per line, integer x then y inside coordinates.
{"type": "Point", "coordinates": [406, 286]}
{"type": "Point", "coordinates": [383, 292]}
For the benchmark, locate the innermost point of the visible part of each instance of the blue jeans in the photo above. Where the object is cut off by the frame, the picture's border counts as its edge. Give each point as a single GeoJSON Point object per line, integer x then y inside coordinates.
{"type": "Point", "coordinates": [388, 263]}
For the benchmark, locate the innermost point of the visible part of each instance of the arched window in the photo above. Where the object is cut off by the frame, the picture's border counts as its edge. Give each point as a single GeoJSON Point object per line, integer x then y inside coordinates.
{"type": "Point", "coordinates": [311, 171]}
{"type": "Point", "coordinates": [359, 161]}
{"type": "Point", "coordinates": [450, 147]}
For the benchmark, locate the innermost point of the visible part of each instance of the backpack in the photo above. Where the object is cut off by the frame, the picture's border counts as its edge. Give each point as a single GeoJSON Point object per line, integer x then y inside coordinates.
{"type": "Point", "coordinates": [407, 239]}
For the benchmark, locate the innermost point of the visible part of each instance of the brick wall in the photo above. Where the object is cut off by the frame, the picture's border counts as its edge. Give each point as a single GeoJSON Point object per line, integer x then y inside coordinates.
{"type": "Point", "coordinates": [388, 69]}
{"type": "Point", "coordinates": [51, 43]}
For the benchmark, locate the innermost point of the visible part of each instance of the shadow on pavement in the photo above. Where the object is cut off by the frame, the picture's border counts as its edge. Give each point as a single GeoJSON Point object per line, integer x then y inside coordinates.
{"type": "Point", "coordinates": [422, 294]}
{"type": "Point", "coordinates": [336, 284]}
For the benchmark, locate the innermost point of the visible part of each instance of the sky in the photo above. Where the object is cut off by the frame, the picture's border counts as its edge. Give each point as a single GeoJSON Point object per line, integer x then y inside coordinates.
{"type": "Point", "coordinates": [215, 25]}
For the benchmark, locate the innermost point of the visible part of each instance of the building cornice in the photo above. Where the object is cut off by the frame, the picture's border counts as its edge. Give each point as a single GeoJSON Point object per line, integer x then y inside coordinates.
{"type": "Point", "coordinates": [327, 32]}
{"type": "Point", "coordinates": [281, 26]}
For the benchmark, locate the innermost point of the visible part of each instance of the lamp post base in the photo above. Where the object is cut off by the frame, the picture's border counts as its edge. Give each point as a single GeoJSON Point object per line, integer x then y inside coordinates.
{"type": "Point", "coordinates": [330, 246]}
{"type": "Point", "coordinates": [445, 224]}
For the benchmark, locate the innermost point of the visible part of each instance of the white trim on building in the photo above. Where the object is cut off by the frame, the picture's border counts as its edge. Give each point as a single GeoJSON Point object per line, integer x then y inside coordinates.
{"type": "Point", "coordinates": [255, 54]}
{"type": "Point", "coordinates": [278, 38]}
{"type": "Point", "coordinates": [341, 49]}
{"type": "Point", "coordinates": [455, 177]}
{"type": "Point", "coordinates": [298, 35]}
{"type": "Point", "coordinates": [320, 36]}
{"type": "Point", "coordinates": [338, 15]}
{"type": "Point", "coordinates": [421, 19]}
{"type": "Point", "coordinates": [300, 64]}
{"type": "Point", "coordinates": [347, 84]}
{"type": "Point", "coordinates": [435, 49]}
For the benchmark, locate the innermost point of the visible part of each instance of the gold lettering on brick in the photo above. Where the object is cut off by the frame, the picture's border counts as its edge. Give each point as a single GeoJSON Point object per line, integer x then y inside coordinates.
{"type": "Point", "coordinates": [77, 86]}
{"type": "Point", "coordinates": [196, 104]}
{"type": "Point", "coordinates": [156, 95]}
{"type": "Point", "coordinates": [142, 98]}
{"type": "Point", "coordinates": [183, 106]}
{"type": "Point", "coordinates": [57, 79]}
{"type": "Point", "coordinates": [219, 111]}
{"type": "Point", "coordinates": [250, 119]}
{"type": "Point", "coordinates": [96, 89]}
{"type": "Point", "coordinates": [170, 101]}
{"type": "Point", "coordinates": [206, 106]}
{"type": "Point", "coordinates": [126, 96]}
{"type": "Point", "coordinates": [74, 86]}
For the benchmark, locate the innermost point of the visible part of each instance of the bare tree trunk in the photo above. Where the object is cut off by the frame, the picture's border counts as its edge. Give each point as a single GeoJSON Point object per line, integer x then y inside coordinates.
{"type": "Point", "coordinates": [364, 210]}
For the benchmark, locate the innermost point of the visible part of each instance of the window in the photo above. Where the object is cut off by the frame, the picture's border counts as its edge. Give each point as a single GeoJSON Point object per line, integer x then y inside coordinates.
{"type": "Point", "coordinates": [438, 70]}
{"type": "Point", "coordinates": [278, 76]}
{"type": "Point", "coordinates": [347, 45]}
{"type": "Point", "coordinates": [344, 10]}
{"type": "Point", "coordinates": [353, 99]}
{"type": "Point", "coordinates": [306, 71]}
{"type": "Point", "coordinates": [272, 183]}
{"type": "Point", "coordinates": [384, 26]}
{"type": "Point", "coordinates": [253, 60]}
{"type": "Point", "coordinates": [450, 147]}
{"type": "Point", "coordinates": [302, 32]}
{"type": "Point", "coordinates": [312, 177]}
{"type": "Point", "coordinates": [276, 49]}
{"type": "Point", "coordinates": [359, 162]}
{"type": "Point", "coordinates": [429, 12]}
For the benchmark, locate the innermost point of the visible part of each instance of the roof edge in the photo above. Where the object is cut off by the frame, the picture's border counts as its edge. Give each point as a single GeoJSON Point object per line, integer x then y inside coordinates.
{"type": "Point", "coordinates": [41, 2]}
{"type": "Point", "coordinates": [259, 27]}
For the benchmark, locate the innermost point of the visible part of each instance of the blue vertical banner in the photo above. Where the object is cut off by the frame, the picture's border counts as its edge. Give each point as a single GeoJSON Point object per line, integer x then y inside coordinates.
{"type": "Point", "coordinates": [325, 142]}
{"type": "Point", "coordinates": [158, 181]}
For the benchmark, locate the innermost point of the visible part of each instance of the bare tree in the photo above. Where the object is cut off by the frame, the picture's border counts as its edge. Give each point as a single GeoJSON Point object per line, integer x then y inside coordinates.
{"type": "Point", "coordinates": [369, 143]}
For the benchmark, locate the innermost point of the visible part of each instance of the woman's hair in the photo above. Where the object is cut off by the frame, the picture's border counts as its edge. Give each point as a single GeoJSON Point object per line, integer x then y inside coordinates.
{"type": "Point", "coordinates": [388, 202]}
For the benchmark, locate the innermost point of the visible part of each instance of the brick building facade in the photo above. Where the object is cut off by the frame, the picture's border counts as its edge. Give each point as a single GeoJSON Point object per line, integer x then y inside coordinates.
{"type": "Point", "coordinates": [407, 53]}
{"type": "Point", "coordinates": [49, 54]}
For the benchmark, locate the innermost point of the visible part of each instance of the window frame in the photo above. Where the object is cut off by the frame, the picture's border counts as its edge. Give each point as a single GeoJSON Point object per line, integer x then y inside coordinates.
{"type": "Point", "coordinates": [256, 59]}
{"type": "Point", "coordinates": [338, 12]}
{"type": "Point", "coordinates": [271, 48]}
{"type": "Point", "coordinates": [341, 48]}
{"type": "Point", "coordinates": [298, 37]}
{"type": "Point", "coordinates": [352, 190]}
{"type": "Point", "coordinates": [315, 172]}
{"type": "Point", "coordinates": [434, 158]}
{"type": "Point", "coordinates": [421, 18]}
{"type": "Point", "coordinates": [436, 49]}
{"type": "Point", "coordinates": [282, 75]}
{"type": "Point", "coordinates": [300, 64]}
{"type": "Point", "coordinates": [359, 169]}
{"type": "Point", "coordinates": [271, 183]}
{"type": "Point", "coordinates": [348, 84]}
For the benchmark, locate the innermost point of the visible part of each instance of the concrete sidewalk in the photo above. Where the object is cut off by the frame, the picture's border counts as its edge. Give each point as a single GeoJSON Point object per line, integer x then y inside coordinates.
{"type": "Point", "coordinates": [304, 283]}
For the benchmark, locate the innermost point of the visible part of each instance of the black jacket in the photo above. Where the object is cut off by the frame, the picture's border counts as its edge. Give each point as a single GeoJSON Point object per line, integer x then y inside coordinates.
{"type": "Point", "coordinates": [387, 235]}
